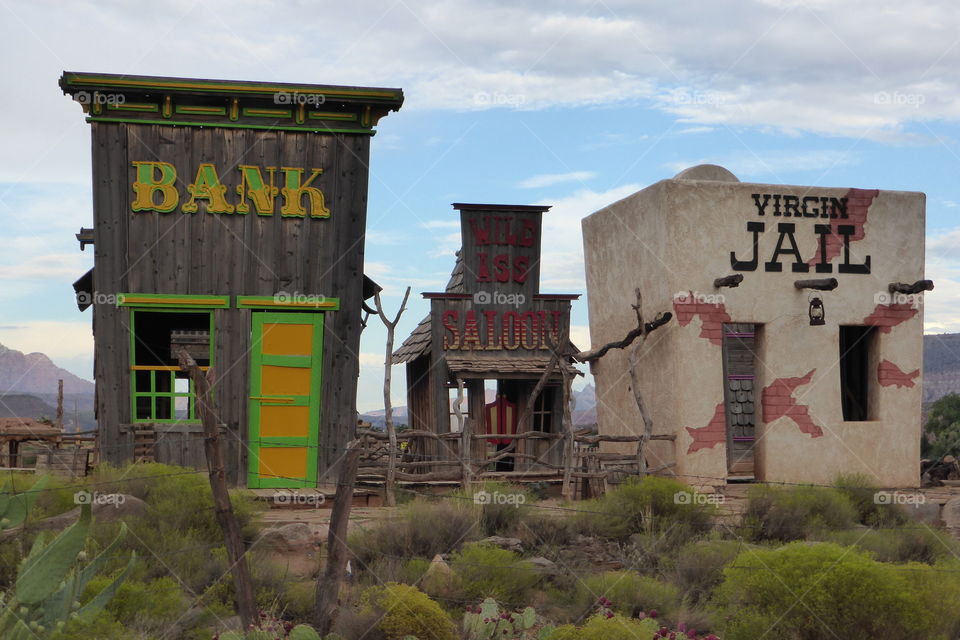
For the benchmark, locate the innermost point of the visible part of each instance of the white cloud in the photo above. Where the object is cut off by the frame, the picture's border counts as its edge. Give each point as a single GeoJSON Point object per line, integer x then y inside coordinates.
{"type": "Point", "coordinates": [550, 179]}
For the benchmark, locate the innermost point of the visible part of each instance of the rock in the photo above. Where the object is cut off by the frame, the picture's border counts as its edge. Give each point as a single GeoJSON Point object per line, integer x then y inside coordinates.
{"type": "Point", "coordinates": [951, 516]}
{"type": "Point", "coordinates": [291, 547]}
{"type": "Point", "coordinates": [289, 538]}
{"type": "Point", "coordinates": [926, 512]}
{"type": "Point", "coordinates": [438, 568]}
{"type": "Point", "coordinates": [544, 565]}
{"type": "Point", "coordinates": [510, 544]}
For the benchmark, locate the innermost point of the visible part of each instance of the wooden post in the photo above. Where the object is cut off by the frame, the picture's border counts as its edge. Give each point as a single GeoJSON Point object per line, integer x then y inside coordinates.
{"type": "Point", "coordinates": [328, 586]}
{"type": "Point", "coordinates": [632, 359]}
{"type": "Point", "coordinates": [60, 405]}
{"type": "Point", "coordinates": [465, 439]}
{"type": "Point", "coordinates": [390, 498]}
{"type": "Point", "coordinates": [568, 448]}
{"type": "Point", "coordinates": [222, 508]}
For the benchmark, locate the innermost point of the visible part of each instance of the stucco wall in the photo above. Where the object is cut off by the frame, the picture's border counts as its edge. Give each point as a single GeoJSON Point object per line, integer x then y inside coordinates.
{"type": "Point", "coordinates": [677, 236]}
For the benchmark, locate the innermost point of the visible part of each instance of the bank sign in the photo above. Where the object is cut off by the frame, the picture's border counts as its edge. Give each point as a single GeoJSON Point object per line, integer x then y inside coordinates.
{"type": "Point", "coordinates": [242, 189]}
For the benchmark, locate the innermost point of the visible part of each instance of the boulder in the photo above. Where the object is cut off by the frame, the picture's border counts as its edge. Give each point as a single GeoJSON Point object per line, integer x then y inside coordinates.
{"type": "Point", "coordinates": [289, 538]}
{"type": "Point", "coordinates": [543, 565]}
{"type": "Point", "coordinates": [510, 544]}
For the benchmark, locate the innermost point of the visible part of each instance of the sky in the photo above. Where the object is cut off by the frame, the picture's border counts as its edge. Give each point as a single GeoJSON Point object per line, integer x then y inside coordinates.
{"type": "Point", "coordinates": [569, 104]}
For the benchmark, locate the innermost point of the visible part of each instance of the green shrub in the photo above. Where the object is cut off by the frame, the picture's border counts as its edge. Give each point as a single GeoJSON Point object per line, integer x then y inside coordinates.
{"type": "Point", "coordinates": [698, 566]}
{"type": "Point", "coordinates": [483, 570]}
{"type": "Point", "coordinates": [795, 513]}
{"type": "Point", "coordinates": [599, 627]}
{"type": "Point", "coordinates": [820, 590]}
{"type": "Point", "coordinates": [900, 544]}
{"type": "Point", "coordinates": [498, 516]}
{"type": "Point", "coordinates": [649, 505]}
{"type": "Point", "coordinates": [407, 611]}
{"type": "Point", "coordinates": [298, 600]}
{"type": "Point", "coordinates": [145, 607]}
{"type": "Point", "coordinates": [861, 492]}
{"type": "Point", "coordinates": [630, 593]}
{"type": "Point", "coordinates": [546, 532]}
{"type": "Point", "coordinates": [422, 528]}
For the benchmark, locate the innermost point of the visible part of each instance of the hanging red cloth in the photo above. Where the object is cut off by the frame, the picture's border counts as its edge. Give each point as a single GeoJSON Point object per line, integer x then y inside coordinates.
{"type": "Point", "coordinates": [501, 418]}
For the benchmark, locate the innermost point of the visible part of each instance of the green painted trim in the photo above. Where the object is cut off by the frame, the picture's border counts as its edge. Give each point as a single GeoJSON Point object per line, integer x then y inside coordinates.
{"type": "Point", "coordinates": [200, 110]}
{"type": "Point", "coordinates": [271, 302]}
{"type": "Point", "coordinates": [318, 115]}
{"type": "Point", "coordinates": [181, 123]}
{"type": "Point", "coordinates": [266, 113]}
{"type": "Point", "coordinates": [172, 301]}
{"type": "Point", "coordinates": [153, 394]}
{"type": "Point", "coordinates": [226, 86]}
{"type": "Point", "coordinates": [257, 360]}
{"type": "Point", "coordinates": [134, 106]}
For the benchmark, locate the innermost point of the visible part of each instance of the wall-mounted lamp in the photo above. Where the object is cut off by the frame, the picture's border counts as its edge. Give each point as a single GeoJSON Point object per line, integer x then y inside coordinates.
{"type": "Point", "coordinates": [816, 312]}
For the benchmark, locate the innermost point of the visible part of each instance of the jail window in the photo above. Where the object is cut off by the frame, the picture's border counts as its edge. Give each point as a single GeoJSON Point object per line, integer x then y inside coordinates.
{"type": "Point", "coordinates": [856, 351]}
{"type": "Point", "coordinates": [161, 391]}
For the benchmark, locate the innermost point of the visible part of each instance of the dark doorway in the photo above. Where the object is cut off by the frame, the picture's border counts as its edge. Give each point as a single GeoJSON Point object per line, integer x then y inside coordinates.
{"type": "Point", "coordinates": [856, 345]}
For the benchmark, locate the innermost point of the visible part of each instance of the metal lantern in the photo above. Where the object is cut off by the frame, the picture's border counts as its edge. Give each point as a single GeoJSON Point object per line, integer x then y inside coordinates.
{"type": "Point", "coordinates": [816, 312]}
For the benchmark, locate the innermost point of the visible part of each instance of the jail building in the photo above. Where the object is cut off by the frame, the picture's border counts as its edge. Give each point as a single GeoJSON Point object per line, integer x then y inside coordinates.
{"type": "Point", "coordinates": [228, 219]}
{"type": "Point", "coordinates": [795, 349]}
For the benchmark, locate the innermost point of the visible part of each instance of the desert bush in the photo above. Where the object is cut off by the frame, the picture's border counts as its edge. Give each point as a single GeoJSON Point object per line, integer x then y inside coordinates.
{"type": "Point", "coordinates": [630, 593]}
{"type": "Point", "coordinates": [297, 600]}
{"type": "Point", "coordinates": [698, 566]}
{"type": "Point", "coordinates": [144, 607]}
{"type": "Point", "coordinates": [649, 505]}
{"type": "Point", "coordinates": [421, 529]}
{"type": "Point", "coordinates": [546, 532]}
{"type": "Point", "coordinates": [910, 543]}
{"type": "Point", "coordinates": [615, 627]}
{"type": "Point", "coordinates": [795, 513]}
{"type": "Point", "coordinates": [861, 492]}
{"type": "Point", "coordinates": [406, 611]}
{"type": "Point", "coordinates": [806, 591]}
{"type": "Point", "coordinates": [484, 570]}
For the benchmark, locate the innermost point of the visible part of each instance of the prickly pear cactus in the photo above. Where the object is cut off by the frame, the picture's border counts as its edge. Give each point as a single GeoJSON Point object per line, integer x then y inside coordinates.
{"type": "Point", "coordinates": [488, 621]}
{"type": "Point", "coordinates": [48, 585]}
{"type": "Point", "coordinates": [14, 508]}
{"type": "Point", "coordinates": [303, 632]}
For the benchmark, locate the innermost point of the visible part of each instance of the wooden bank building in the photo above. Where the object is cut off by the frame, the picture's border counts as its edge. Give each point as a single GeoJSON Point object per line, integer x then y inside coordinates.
{"type": "Point", "coordinates": [229, 219]}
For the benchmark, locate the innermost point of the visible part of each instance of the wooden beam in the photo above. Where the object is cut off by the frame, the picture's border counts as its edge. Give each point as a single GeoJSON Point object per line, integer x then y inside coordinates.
{"type": "Point", "coordinates": [729, 281]}
{"type": "Point", "coordinates": [916, 287]}
{"type": "Point", "coordinates": [820, 284]}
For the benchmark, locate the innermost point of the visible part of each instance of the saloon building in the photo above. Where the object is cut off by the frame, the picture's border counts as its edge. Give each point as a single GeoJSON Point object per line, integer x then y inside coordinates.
{"type": "Point", "coordinates": [229, 219]}
{"type": "Point", "coordinates": [490, 331]}
{"type": "Point", "coordinates": [795, 350]}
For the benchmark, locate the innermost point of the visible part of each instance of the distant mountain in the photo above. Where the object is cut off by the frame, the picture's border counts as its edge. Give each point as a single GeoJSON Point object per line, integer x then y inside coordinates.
{"type": "Point", "coordinates": [22, 405]}
{"type": "Point", "coordinates": [35, 373]}
{"type": "Point", "coordinates": [941, 365]}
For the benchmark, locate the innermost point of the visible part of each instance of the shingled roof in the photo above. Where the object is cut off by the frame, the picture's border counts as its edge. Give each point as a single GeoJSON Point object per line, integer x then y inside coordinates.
{"type": "Point", "coordinates": [418, 342]}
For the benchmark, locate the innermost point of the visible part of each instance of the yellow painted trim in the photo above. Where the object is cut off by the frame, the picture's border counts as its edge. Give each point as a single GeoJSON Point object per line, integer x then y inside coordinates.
{"type": "Point", "coordinates": [127, 300]}
{"type": "Point", "coordinates": [297, 305]}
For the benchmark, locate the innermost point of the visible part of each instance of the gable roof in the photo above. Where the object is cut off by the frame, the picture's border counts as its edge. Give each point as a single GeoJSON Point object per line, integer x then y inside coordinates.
{"type": "Point", "coordinates": [418, 342]}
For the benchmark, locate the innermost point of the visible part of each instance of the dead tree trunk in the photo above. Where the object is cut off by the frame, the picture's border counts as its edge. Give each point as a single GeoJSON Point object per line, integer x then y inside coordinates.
{"type": "Point", "coordinates": [60, 406]}
{"type": "Point", "coordinates": [328, 586]}
{"type": "Point", "coordinates": [390, 498]}
{"type": "Point", "coordinates": [223, 509]}
{"type": "Point", "coordinates": [465, 439]}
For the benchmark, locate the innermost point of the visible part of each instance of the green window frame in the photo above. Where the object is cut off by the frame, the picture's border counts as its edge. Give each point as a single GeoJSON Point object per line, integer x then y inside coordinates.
{"type": "Point", "coordinates": [154, 392]}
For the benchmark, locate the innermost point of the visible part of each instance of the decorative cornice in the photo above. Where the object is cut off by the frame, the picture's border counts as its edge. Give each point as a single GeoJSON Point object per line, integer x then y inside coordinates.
{"type": "Point", "coordinates": [189, 102]}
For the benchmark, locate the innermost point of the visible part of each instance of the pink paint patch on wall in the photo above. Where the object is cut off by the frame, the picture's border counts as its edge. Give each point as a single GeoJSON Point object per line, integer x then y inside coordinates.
{"type": "Point", "coordinates": [887, 316]}
{"type": "Point", "coordinates": [778, 402]}
{"type": "Point", "coordinates": [712, 316]}
{"type": "Point", "coordinates": [889, 374]}
{"type": "Point", "coordinates": [858, 205]}
{"type": "Point", "coordinates": [711, 435]}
